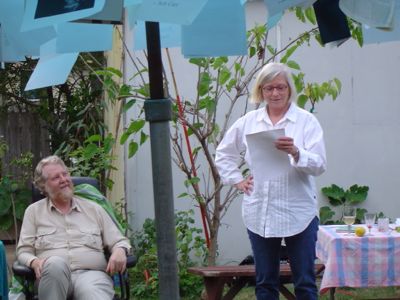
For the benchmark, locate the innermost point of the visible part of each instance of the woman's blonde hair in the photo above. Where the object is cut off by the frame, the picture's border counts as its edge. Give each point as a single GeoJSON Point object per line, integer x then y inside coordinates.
{"type": "Point", "coordinates": [267, 74]}
{"type": "Point", "coordinates": [38, 177]}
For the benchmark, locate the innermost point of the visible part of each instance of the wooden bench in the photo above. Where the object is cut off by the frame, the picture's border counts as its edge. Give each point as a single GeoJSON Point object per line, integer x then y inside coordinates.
{"type": "Point", "coordinates": [215, 278]}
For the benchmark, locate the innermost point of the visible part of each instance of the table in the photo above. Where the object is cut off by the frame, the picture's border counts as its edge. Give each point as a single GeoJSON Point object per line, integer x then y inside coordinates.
{"type": "Point", "coordinates": [3, 273]}
{"type": "Point", "coordinates": [352, 261]}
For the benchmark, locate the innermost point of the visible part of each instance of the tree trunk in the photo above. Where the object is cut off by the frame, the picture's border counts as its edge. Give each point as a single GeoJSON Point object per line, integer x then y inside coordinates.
{"type": "Point", "coordinates": [214, 229]}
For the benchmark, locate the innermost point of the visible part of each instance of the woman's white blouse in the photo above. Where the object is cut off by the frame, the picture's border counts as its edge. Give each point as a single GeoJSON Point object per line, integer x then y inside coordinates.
{"type": "Point", "coordinates": [283, 206]}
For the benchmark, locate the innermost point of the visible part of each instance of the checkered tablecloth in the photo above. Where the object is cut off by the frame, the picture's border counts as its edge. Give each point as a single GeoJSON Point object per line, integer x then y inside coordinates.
{"type": "Point", "coordinates": [352, 261]}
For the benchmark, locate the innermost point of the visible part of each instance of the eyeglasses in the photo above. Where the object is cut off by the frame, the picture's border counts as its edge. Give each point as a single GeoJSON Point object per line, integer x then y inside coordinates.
{"type": "Point", "coordinates": [270, 88]}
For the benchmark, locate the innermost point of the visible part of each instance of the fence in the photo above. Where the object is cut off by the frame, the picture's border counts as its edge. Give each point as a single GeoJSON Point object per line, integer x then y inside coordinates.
{"type": "Point", "coordinates": [22, 132]}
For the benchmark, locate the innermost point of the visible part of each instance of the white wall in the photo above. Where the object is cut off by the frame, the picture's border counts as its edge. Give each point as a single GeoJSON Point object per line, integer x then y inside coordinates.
{"type": "Point", "coordinates": [361, 129]}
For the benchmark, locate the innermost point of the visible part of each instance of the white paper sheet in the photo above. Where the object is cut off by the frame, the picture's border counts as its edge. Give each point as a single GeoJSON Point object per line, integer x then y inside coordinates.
{"type": "Point", "coordinates": [267, 162]}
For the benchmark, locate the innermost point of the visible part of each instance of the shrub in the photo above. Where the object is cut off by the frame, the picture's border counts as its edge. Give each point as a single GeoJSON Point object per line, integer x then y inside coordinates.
{"type": "Point", "coordinates": [191, 250]}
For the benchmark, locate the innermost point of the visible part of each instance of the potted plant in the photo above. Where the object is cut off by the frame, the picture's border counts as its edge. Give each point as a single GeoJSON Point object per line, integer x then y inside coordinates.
{"type": "Point", "coordinates": [338, 197]}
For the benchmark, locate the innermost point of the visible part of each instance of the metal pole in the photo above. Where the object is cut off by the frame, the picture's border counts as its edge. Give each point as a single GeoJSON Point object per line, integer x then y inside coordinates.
{"type": "Point", "coordinates": [158, 112]}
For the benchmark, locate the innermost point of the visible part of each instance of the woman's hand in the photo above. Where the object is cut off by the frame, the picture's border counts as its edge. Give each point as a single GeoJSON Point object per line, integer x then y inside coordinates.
{"type": "Point", "coordinates": [246, 186]}
{"type": "Point", "coordinates": [287, 145]}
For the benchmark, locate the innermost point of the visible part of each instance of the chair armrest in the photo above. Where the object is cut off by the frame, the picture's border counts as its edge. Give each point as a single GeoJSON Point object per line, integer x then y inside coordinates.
{"type": "Point", "coordinates": [131, 261]}
{"type": "Point", "coordinates": [23, 271]}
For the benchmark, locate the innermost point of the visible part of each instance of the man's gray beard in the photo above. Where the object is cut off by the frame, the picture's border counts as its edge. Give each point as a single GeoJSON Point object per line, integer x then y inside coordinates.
{"type": "Point", "coordinates": [64, 195]}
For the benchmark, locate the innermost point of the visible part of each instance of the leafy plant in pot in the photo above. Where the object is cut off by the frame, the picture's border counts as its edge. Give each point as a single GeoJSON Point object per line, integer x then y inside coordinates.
{"type": "Point", "coordinates": [338, 197]}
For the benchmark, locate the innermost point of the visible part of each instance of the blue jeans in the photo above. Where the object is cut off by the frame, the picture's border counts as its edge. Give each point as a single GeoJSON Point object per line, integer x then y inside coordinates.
{"type": "Point", "coordinates": [301, 253]}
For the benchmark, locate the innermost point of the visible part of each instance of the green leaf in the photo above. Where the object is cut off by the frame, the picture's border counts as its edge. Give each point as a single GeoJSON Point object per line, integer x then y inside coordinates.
{"type": "Point", "coordinates": [143, 137]}
{"type": "Point", "coordinates": [299, 14]}
{"type": "Point", "coordinates": [325, 214]}
{"type": "Point", "coordinates": [20, 206]}
{"type": "Point", "coordinates": [288, 53]}
{"type": "Point", "coordinates": [219, 62]}
{"type": "Point", "coordinates": [314, 91]}
{"type": "Point", "coordinates": [5, 203]}
{"type": "Point", "coordinates": [356, 194]}
{"type": "Point", "coordinates": [14, 187]}
{"type": "Point", "coordinates": [143, 90]}
{"type": "Point", "coordinates": [196, 150]}
{"type": "Point", "coordinates": [271, 50]}
{"type": "Point", "coordinates": [207, 103]}
{"type": "Point", "coordinates": [124, 137]}
{"type": "Point", "coordinates": [136, 125]}
{"type": "Point", "coordinates": [93, 138]}
{"type": "Point", "coordinates": [6, 222]}
{"type": "Point", "coordinates": [138, 73]}
{"type": "Point", "coordinates": [298, 81]}
{"type": "Point", "coordinates": [109, 183]}
{"type": "Point", "coordinates": [338, 84]}
{"type": "Point", "coordinates": [124, 91]}
{"type": "Point", "coordinates": [83, 111]}
{"type": "Point", "coordinates": [109, 71]}
{"type": "Point", "coordinates": [360, 215]}
{"type": "Point", "coordinates": [114, 71]}
{"type": "Point", "coordinates": [231, 84]}
{"type": "Point", "coordinates": [192, 181]}
{"type": "Point", "coordinates": [198, 62]}
{"type": "Point", "coordinates": [128, 105]}
{"type": "Point", "coordinates": [90, 151]}
{"type": "Point", "coordinates": [252, 51]}
{"type": "Point", "coordinates": [302, 100]}
{"type": "Point", "coordinates": [108, 143]}
{"type": "Point", "coordinates": [224, 76]}
{"type": "Point", "coordinates": [198, 125]}
{"type": "Point", "coordinates": [204, 83]}
{"type": "Point", "coordinates": [335, 194]}
{"type": "Point", "coordinates": [183, 195]}
{"type": "Point", "coordinates": [237, 67]}
{"type": "Point", "coordinates": [133, 148]}
{"type": "Point", "coordinates": [310, 15]}
{"type": "Point", "coordinates": [294, 65]}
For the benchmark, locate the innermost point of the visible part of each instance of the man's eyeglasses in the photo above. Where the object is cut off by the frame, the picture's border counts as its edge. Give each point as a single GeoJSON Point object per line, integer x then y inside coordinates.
{"type": "Point", "coordinates": [270, 88]}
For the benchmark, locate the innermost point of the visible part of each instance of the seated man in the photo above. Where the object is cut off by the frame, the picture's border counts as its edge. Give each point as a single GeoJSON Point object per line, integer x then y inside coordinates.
{"type": "Point", "coordinates": [63, 239]}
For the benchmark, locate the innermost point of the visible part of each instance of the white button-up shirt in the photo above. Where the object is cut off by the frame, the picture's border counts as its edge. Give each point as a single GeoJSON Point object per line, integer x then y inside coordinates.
{"type": "Point", "coordinates": [283, 206]}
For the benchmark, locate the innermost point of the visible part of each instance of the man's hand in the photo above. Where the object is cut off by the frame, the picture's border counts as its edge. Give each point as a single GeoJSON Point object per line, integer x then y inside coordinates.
{"type": "Point", "coordinates": [117, 261]}
{"type": "Point", "coordinates": [37, 266]}
{"type": "Point", "coordinates": [246, 186]}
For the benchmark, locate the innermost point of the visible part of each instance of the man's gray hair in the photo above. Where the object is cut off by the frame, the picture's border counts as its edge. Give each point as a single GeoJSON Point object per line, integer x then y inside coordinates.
{"type": "Point", "coordinates": [38, 177]}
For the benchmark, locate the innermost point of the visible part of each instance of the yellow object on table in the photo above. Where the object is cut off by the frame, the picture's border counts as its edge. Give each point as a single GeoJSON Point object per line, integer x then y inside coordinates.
{"type": "Point", "coordinates": [359, 231]}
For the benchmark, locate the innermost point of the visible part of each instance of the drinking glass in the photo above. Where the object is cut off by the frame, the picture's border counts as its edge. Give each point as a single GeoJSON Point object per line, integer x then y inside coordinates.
{"type": "Point", "coordinates": [369, 221]}
{"type": "Point", "coordinates": [383, 224]}
{"type": "Point", "coordinates": [349, 217]}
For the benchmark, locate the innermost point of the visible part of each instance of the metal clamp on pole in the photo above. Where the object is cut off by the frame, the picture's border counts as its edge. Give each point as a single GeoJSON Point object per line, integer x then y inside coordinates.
{"type": "Point", "coordinates": [158, 110]}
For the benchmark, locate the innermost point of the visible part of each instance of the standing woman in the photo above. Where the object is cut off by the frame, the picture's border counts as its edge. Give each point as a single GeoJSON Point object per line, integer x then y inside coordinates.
{"type": "Point", "coordinates": [285, 206]}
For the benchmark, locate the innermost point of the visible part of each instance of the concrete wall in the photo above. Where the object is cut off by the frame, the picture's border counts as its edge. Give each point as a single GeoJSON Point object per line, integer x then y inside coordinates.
{"type": "Point", "coordinates": [361, 128]}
